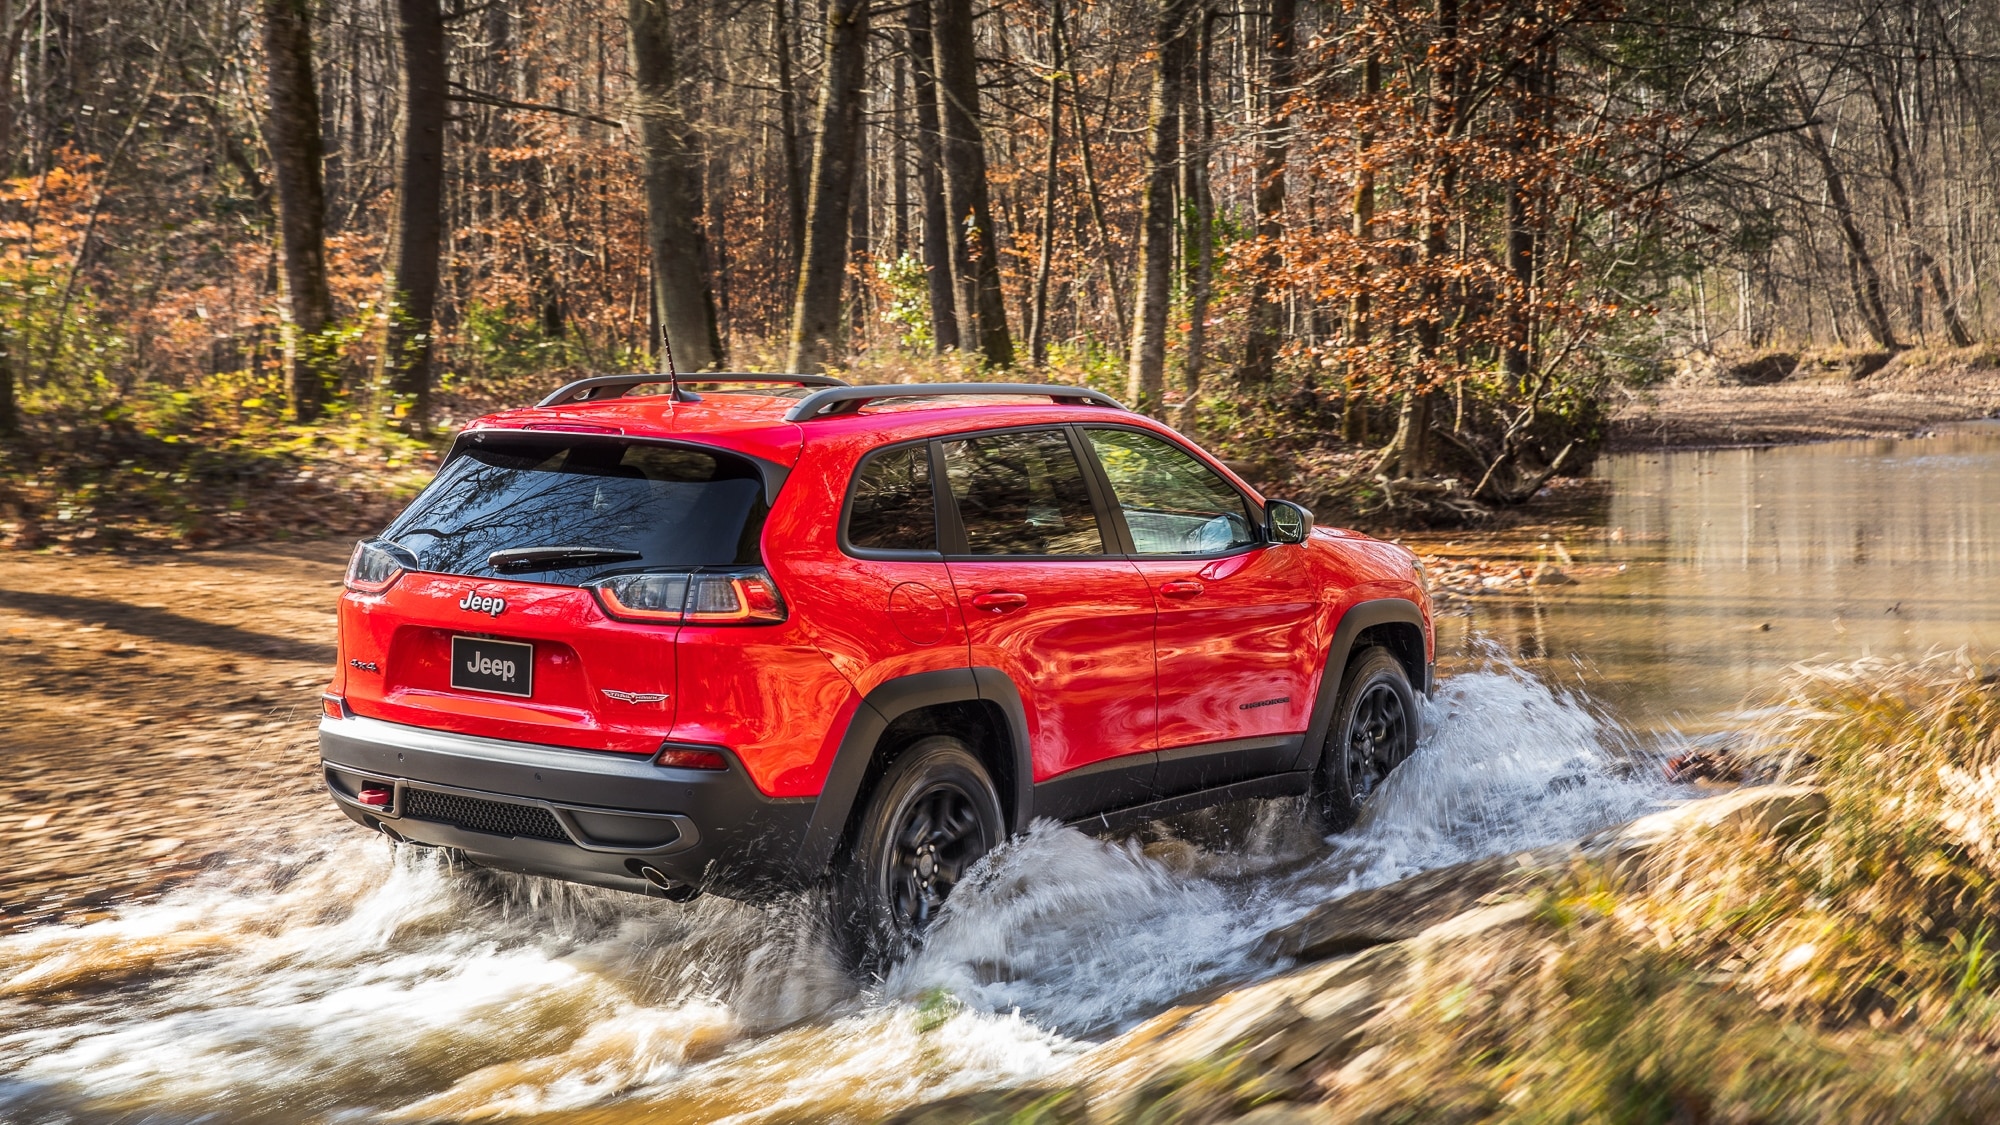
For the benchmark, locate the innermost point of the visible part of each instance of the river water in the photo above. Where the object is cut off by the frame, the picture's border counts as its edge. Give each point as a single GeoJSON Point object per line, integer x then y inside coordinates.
{"type": "Point", "coordinates": [346, 980]}
{"type": "Point", "coordinates": [1739, 563]}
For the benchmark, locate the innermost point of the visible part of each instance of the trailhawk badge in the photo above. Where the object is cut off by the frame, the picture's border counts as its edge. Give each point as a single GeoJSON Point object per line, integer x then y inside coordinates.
{"type": "Point", "coordinates": [491, 607]}
{"type": "Point", "coordinates": [636, 696]}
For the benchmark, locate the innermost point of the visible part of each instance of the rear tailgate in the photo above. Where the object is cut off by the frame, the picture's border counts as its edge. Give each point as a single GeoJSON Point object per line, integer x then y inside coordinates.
{"type": "Point", "coordinates": [534, 591]}
{"type": "Point", "coordinates": [589, 682]}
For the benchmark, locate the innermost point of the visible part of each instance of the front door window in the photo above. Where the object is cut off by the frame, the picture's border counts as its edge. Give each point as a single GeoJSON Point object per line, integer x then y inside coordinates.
{"type": "Point", "coordinates": [1173, 504]}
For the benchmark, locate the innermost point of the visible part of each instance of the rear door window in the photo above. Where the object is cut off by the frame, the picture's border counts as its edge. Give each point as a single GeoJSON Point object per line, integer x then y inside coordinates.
{"type": "Point", "coordinates": [1022, 493]}
{"type": "Point", "coordinates": [1172, 503]}
{"type": "Point", "coordinates": [893, 508]}
{"type": "Point", "coordinates": [620, 505]}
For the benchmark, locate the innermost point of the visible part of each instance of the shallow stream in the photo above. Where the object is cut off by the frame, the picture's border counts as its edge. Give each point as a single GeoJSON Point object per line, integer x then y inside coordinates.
{"type": "Point", "coordinates": [348, 980]}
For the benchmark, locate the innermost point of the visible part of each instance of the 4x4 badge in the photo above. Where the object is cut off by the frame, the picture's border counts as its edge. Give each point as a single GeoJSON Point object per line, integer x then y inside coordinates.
{"type": "Point", "coordinates": [636, 696]}
{"type": "Point", "coordinates": [492, 607]}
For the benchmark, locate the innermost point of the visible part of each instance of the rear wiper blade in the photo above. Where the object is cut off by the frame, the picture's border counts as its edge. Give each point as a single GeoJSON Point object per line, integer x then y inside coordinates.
{"type": "Point", "coordinates": [547, 558]}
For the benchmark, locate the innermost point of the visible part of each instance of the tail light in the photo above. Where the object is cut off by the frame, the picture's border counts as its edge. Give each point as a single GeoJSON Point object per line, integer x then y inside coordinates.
{"type": "Point", "coordinates": [739, 597]}
{"type": "Point", "coordinates": [376, 564]}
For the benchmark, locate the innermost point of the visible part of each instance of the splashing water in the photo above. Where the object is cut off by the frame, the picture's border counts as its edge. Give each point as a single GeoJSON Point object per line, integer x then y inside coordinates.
{"type": "Point", "coordinates": [357, 981]}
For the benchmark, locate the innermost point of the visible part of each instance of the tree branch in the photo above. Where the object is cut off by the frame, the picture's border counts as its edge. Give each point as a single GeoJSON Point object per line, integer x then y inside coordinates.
{"type": "Point", "coordinates": [1667, 177]}
{"type": "Point", "coordinates": [460, 93]}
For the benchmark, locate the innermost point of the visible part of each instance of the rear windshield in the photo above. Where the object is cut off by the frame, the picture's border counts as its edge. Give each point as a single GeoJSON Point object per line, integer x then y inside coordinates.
{"type": "Point", "coordinates": [621, 505]}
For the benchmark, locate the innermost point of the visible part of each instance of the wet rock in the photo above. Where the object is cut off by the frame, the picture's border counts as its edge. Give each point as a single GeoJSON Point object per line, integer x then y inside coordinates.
{"type": "Point", "coordinates": [1551, 576]}
{"type": "Point", "coordinates": [1861, 365]}
{"type": "Point", "coordinates": [1025, 1106]}
{"type": "Point", "coordinates": [1275, 1033]}
{"type": "Point", "coordinates": [1396, 912]}
{"type": "Point", "coordinates": [1770, 809]}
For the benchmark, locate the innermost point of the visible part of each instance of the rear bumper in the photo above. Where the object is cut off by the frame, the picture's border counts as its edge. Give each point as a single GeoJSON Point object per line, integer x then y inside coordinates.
{"type": "Point", "coordinates": [581, 815]}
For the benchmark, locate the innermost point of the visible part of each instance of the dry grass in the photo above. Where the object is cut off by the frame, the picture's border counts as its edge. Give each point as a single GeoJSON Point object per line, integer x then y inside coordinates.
{"type": "Point", "coordinates": [1840, 972]}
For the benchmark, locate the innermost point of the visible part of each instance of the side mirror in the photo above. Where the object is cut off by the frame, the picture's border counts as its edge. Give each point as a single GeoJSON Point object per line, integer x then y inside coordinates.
{"type": "Point", "coordinates": [1286, 522]}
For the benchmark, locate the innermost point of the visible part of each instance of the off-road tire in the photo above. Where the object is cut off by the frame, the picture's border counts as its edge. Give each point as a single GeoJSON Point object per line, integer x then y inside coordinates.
{"type": "Point", "coordinates": [932, 815]}
{"type": "Point", "coordinates": [1374, 729]}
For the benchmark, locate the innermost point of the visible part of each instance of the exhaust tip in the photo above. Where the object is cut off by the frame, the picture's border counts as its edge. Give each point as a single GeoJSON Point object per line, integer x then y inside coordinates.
{"type": "Point", "coordinates": [669, 889]}
{"type": "Point", "coordinates": [391, 833]}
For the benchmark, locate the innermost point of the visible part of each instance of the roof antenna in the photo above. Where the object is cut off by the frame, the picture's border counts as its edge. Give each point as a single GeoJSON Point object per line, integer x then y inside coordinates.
{"type": "Point", "coordinates": [675, 394]}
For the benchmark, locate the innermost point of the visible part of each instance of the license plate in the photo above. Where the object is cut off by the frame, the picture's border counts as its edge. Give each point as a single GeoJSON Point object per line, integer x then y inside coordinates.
{"type": "Point", "coordinates": [503, 667]}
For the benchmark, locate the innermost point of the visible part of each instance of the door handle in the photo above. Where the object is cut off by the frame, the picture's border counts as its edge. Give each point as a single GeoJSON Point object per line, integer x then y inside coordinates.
{"type": "Point", "coordinates": [1181, 589]}
{"type": "Point", "coordinates": [999, 601]}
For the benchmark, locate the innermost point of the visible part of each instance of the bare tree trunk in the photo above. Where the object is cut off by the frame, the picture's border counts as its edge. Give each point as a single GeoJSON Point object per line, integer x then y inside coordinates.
{"type": "Point", "coordinates": [1517, 357]}
{"type": "Point", "coordinates": [982, 310]}
{"type": "Point", "coordinates": [1863, 277]}
{"type": "Point", "coordinates": [788, 138]}
{"type": "Point", "coordinates": [1145, 382]}
{"type": "Point", "coordinates": [930, 180]}
{"type": "Point", "coordinates": [10, 416]}
{"type": "Point", "coordinates": [1353, 412]}
{"type": "Point", "coordinates": [1106, 248]}
{"type": "Point", "coordinates": [1038, 346]}
{"type": "Point", "coordinates": [1260, 342]}
{"type": "Point", "coordinates": [816, 327]}
{"type": "Point", "coordinates": [291, 130]}
{"type": "Point", "coordinates": [1196, 187]}
{"type": "Point", "coordinates": [1902, 165]}
{"type": "Point", "coordinates": [675, 240]}
{"type": "Point", "coordinates": [410, 296]}
{"type": "Point", "coordinates": [899, 161]}
{"type": "Point", "coordinates": [1411, 452]}
{"type": "Point", "coordinates": [860, 231]}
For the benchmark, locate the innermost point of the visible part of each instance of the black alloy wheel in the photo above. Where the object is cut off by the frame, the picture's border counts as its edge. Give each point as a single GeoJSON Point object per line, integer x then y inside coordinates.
{"type": "Point", "coordinates": [1374, 729]}
{"type": "Point", "coordinates": [939, 837]}
{"type": "Point", "coordinates": [932, 815]}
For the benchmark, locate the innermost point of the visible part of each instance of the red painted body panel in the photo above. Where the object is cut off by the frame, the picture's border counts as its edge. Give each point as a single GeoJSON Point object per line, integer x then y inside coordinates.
{"type": "Point", "coordinates": [769, 695]}
{"type": "Point", "coordinates": [841, 606]}
{"type": "Point", "coordinates": [406, 632]}
{"type": "Point", "coordinates": [1104, 662]}
{"type": "Point", "coordinates": [1238, 658]}
{"type": "Point", "coordinates": [1079, 648]}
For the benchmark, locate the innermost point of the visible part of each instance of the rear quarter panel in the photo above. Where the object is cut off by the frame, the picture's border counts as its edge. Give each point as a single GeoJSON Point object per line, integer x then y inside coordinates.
{"type": "Point", "coordinates": [784, 704]}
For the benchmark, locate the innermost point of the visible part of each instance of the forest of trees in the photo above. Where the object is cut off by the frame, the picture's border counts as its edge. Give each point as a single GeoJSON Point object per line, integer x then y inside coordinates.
{"type": "Point", "coordinates": [1438, 227]}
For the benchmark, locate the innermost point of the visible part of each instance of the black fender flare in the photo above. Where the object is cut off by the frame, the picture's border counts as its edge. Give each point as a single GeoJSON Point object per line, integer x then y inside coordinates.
{"type": "Point", "coordinates": [890, 700]}
{"type": "Point", "coordinates": [1359, 616]}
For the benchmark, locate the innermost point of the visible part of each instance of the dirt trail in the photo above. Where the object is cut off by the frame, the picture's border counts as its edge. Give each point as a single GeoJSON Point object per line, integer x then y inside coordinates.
{"type": "Point", "coordinates": [160, 710]}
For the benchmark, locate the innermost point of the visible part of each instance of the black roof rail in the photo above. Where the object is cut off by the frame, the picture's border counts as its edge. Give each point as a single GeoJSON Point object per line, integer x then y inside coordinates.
{"type": "Point", "coordinates": [847, 400]}
{"type": "Point", "coordinates": [583, 390]}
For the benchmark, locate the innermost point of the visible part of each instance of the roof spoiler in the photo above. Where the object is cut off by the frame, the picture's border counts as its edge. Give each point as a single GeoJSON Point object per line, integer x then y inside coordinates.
{"type": "Point", "coordinates": [613, 386]}
{"type": "Point", "coordinates": [847, 400]}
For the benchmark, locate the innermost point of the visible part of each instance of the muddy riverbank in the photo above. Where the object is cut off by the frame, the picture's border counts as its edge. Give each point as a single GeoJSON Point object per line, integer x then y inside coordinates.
{"type": "Point", "coordinates": [1781, 398]}
{"type": "Point", "coordinates": [161, 716]}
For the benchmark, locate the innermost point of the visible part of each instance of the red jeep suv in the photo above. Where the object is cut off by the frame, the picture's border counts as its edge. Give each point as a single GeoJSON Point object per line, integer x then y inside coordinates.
{"type": "Point", "coordinates": [788, 631]}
